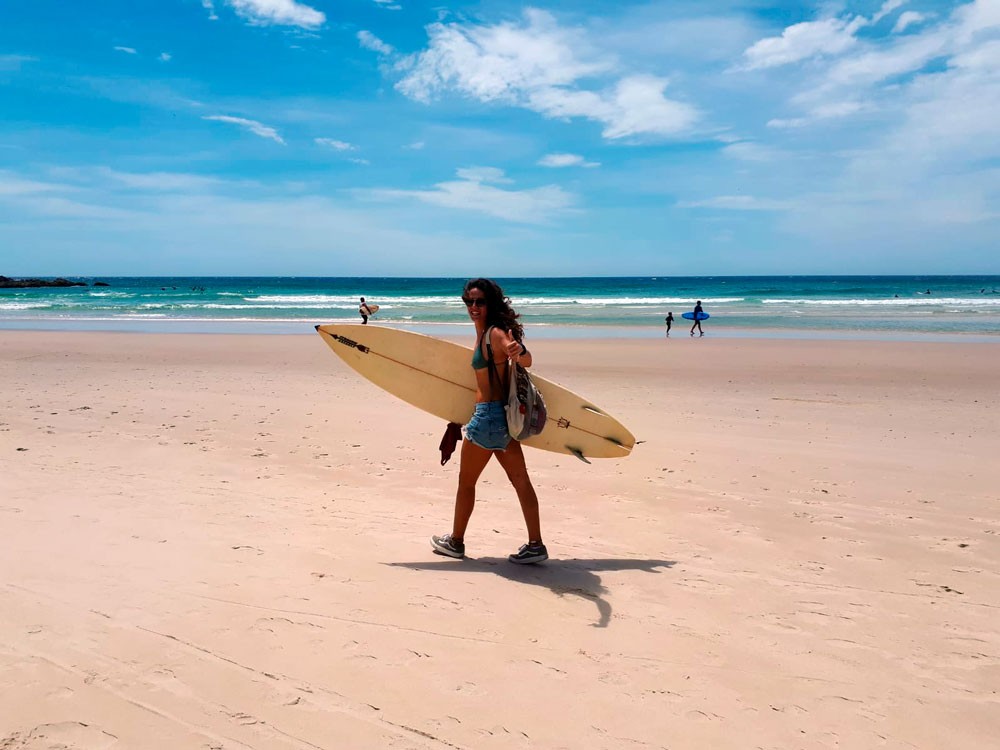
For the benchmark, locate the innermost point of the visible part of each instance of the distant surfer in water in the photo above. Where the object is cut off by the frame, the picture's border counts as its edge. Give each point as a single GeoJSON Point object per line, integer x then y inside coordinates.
{"type": "Point", "coordinates": [486, 435]}
{"type": "Point", "coordinates": [365, 311]}
{"type": "Point", "coordinates": [697, 319]}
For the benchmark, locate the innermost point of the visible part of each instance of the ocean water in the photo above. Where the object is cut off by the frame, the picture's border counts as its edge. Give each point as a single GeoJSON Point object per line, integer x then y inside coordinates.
{"type": "Point", "coordinates": [838, 306]}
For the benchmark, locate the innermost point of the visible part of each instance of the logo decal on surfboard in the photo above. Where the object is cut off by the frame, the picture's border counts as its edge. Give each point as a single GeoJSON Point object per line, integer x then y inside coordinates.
{"type": "Point", "coordinates": [353, 344]}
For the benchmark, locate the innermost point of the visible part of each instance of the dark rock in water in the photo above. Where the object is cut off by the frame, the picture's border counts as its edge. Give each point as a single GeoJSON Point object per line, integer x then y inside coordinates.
{"type": "Point", "coordinates": [101, 283]}
{"type": "Point", "coordinates": [7, 283]}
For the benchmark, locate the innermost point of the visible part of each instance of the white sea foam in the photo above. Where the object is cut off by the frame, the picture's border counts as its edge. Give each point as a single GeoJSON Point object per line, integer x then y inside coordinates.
{"type": "Point", "coordinates": [606, 301]}
{"type": "Point", "coordinates": [220, 306]}
{"type": "Point", "coordinates": [24, 306]}
{"type": "Point", "coordinates": [276, 300]}
{"type": "Point", "coordinates": [195, 319]}
{"type": "Point", "coordinates": [897, 302]}
{"type": "Point", "coordinates": [270, 300]}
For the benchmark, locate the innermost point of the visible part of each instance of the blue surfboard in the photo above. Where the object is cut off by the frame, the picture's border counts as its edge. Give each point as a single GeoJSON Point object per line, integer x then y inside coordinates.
{"type": "Point", "coordinates": [690, 316]}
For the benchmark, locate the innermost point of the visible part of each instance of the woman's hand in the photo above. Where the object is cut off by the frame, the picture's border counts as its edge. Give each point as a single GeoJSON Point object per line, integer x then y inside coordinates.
{"type": "Point", "coordinates": [513, 350]}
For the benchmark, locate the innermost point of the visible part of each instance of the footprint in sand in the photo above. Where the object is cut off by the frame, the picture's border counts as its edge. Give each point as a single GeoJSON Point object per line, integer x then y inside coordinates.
{"type": "Point", "coordinates": [66, 735]}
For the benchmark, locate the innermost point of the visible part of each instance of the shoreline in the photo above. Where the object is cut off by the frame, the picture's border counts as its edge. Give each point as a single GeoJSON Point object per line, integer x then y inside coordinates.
{"type": "Point", "coordinates": [537, 331]}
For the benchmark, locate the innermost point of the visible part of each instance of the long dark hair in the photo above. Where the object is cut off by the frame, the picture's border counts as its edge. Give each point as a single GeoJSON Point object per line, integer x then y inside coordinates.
{"type": "Point", "coordinates": [498, 310]}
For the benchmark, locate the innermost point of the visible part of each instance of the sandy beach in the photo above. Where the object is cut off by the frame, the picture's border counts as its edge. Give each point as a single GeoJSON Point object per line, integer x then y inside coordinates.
{"type": "Point", "coordinates": [215, 541]}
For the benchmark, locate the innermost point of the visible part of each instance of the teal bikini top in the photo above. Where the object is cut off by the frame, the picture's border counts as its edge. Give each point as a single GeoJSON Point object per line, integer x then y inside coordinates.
{"type": "Point", "coordinates": [478, 360]}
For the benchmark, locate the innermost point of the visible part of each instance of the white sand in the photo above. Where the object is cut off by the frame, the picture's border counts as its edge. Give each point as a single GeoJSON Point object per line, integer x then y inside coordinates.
{"type": "Point", "coordinates": [221, 542]}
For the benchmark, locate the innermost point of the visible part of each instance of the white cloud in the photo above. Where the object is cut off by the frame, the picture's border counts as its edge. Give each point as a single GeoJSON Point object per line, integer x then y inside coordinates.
{"type": "Point", "coordinates": [264, 131]}
{"type": "Point", "coordinates": [961, 32]}
{"type": "Point", "coordinates": [977, 16]}
{"type": "Point", "coordinates": [278, 13]}
{"type": "Point", "coordinates": [89, 224]}
{"type": "Point", "coordinates": [369, 41]}
{"type": "Point", "coordinates": [907, 19]}
{"type": "Point", "coordinates": [788, 122]}
{"type": "Point", "coordinates": [566, 160]}
{"type": "Point", "coordinates": [543, 67]}
{"type": "Point", "coordinates": [801, 41]}
{"type": "Point", "coordinates": [492, 63]}
{"type": "Point", "coordinates": [14, 62]}
{"type": "Point", "coordinates": [869, 78]}
{"type": "Point", "coordinates": [165, 57]}
{"type": "Point", "coordinates": [126, 50]}
{"type": "Point", "coordinates": [985, 57]}
{"type": "Point", "coordinates": [872, 66]}
{"type": "Point", "coordinates": [473, 193]}
{"type": "Point", "coordinates": [13, 184]}
{"type": "Point", "coordinates": [415, 146]}
{"type": "Point", "coordinates": [665, 34]}
{"type": "Point", "coordinates": [388, 4]}
{"type": "Point", "coordinates": [157, 181]}
{"type": "Point", "coordinates": [335, 144]}
{"type": "Point", "coordinates": [749, 151]}
{"type": "Point", "coordinates": [483, 174]}
{"type": "Point", "coordinates": [75, 179]}
{"type": "Point", "coordinates": [57, 207]}
{"type": "Point", "coordinates": [739, 203]}
{"type": "Point", "coordinates": [925, 163]}
{"type": "Point", "coordinates": [829, 36]}
{"type": "Point", "coordinates": [29, 197]}
{"type": "Point", "coordinates": [638, 106]}
{"type": "Point", "coordinates": [887, 8]}
{"type": "Point", "coordinates": [950, 117]}
{"type": "Point", "coordinates": [210, 7]}
{"type": "Point", "coordinates": [826, 111]}
{"type": "Point", "coordinates": [836, 109]}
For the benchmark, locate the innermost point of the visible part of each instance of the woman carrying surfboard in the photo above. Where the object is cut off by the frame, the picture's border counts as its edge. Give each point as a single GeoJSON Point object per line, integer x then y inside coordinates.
{"type": "Point", "coordinates": [498, 333]}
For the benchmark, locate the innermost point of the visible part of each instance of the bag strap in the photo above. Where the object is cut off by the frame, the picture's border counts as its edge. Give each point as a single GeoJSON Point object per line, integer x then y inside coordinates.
{"type": "Point", "coordinates": [490, 364]}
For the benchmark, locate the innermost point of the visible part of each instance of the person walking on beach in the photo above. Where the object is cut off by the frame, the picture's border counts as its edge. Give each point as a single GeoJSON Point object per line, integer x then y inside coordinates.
{"type": "Point", "coordinates": [697, 319]}
{"type": "Point", "coordinates": [498, 333]}
{"type": "Point", "coordinates": [365, 312]}
{"type": "Point", "coordinates": [669, 321]}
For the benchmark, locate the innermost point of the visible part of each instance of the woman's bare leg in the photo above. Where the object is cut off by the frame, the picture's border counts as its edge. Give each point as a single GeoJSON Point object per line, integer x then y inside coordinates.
{"type": "Point", "coordinates": [473, 461]}
{"type": "Point", "coordinates": [512, 461]}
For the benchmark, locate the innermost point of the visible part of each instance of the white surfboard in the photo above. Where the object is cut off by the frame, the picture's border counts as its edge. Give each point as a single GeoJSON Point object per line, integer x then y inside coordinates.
{"type": "Point", "coordinates": [437, 376]}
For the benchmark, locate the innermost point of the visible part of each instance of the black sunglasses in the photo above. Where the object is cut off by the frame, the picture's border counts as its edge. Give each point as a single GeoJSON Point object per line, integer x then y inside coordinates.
{"type": "Point", "coordinates": [477, 302]}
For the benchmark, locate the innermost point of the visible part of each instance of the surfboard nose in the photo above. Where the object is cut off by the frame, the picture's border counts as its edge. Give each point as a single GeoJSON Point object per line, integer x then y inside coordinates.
{"type": "Point", "coordinates": [316, 327]}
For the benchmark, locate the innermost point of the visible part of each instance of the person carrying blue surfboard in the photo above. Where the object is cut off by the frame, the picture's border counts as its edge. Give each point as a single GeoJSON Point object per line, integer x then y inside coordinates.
{"type": "Point", "coordinates": [698, 313]}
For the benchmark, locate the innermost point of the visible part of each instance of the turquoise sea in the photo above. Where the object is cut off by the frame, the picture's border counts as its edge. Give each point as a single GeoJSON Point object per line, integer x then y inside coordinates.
{"type": "Point", "coordinates": [941, 307]}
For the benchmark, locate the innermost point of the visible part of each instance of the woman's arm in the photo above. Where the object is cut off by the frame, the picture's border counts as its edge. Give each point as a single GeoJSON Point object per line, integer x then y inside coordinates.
{"type": "Point", "coordinates": [505, 346]}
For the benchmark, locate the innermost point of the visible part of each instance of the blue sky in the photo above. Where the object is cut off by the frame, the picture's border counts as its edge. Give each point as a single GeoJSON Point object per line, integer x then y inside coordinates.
{"type": "Point", "coordinates": [395, 137]}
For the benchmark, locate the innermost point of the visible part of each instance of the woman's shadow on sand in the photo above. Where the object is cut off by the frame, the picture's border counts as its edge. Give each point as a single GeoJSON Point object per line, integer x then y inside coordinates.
{"type": "Point", "coordinates": [563, 577]}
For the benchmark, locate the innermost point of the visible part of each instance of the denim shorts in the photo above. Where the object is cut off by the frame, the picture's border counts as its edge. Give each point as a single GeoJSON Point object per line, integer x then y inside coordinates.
{"type": "Point", "coordinates": [488, 427]}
